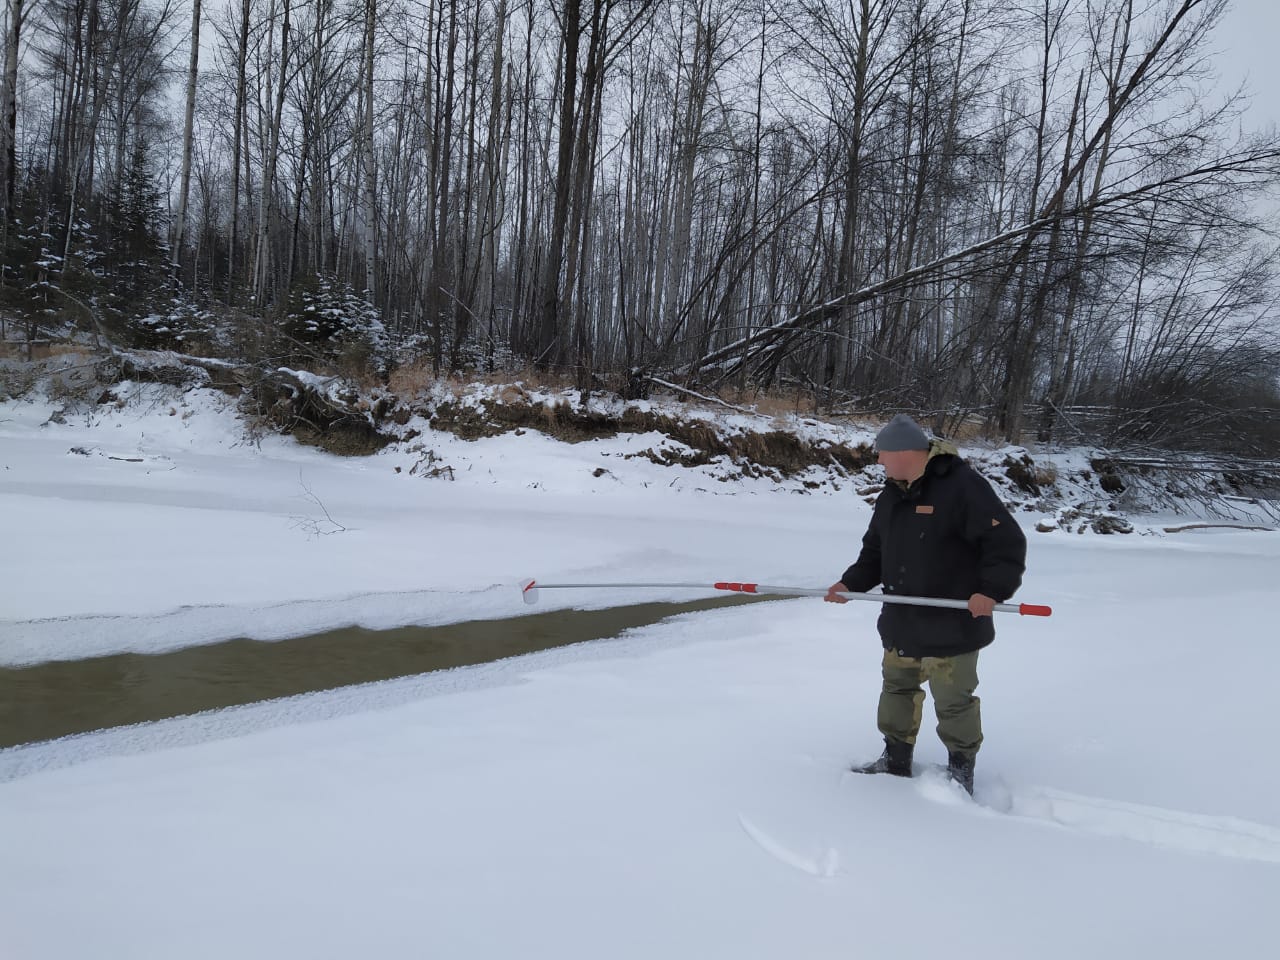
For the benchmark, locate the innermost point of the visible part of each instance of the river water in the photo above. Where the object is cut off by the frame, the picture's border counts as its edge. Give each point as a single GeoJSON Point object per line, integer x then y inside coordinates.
{"type": "Point", "coordinates": [49, 700]}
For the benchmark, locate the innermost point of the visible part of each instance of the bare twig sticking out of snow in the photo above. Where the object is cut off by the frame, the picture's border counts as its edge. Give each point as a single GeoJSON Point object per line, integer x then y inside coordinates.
{"type": "Point", "coordinates": [313, 526]}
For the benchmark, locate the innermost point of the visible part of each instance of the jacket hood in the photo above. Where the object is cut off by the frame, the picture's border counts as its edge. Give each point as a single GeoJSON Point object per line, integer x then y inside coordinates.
{"type": "Point", "coordinates": [944, 453]}
{"type": "Point", "coordinates": [942, 457]}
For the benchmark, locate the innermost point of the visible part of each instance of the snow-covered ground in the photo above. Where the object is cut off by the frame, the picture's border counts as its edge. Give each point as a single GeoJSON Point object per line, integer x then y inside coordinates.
{"type": "Point", "coordinates": [679, 791]}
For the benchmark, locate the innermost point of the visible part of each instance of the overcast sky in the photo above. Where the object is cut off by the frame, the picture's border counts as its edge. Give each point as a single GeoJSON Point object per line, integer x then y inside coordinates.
{"type": "Point", "coordinates": [1249, 44]}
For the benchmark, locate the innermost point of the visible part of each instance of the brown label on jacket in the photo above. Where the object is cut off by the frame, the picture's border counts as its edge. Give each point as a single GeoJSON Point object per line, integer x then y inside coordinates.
{"type": "Point", "coordinates": [924, 508]}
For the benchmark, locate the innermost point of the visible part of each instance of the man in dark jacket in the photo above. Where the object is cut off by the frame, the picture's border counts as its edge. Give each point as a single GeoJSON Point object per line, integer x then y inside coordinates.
{"type": "Point", "coordinates": [938, 530]}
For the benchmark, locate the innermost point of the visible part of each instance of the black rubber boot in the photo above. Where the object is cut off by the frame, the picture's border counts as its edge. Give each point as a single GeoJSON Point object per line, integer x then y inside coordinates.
{"type": "Point", "coordinates": [960, 768]}
{"type": "Point", "coordinates": [896, 760]}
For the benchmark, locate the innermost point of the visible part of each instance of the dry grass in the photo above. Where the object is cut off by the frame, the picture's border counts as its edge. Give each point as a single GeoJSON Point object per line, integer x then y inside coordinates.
{"type": "Point", "coordinates": [529, 377]}
{"type": "Point", "coordinates": [969, 429]}
{"type": "Point", "coordinates": [1046, 474]}
{"type": "Point", "coordinates": [416, 379]}
{"type": "Point", "coordinates": [69, 349]}
{"type": "Point", "coordinates": [67, 373]}
{"type": "Point", "coordinates": [411, 379]}
{"type": "Point", "coordinates": [776, 403]}
{"type": "Point", "coordinates": [41, 349]}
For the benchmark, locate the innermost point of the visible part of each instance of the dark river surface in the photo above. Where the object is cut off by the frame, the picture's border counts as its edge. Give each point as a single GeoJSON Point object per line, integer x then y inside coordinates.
{"type": "Point", "coordinates": [49, 700]}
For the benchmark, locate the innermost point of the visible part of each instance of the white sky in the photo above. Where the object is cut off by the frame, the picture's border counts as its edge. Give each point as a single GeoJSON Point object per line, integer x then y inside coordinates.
{"type": "Point", "coordinates": [1247, 40]}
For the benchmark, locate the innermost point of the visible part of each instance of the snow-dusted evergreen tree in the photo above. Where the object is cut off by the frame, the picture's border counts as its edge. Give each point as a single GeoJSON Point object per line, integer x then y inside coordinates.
{"type": "Point", "coordinates": [330, 315]}
{"type": "Point", "coordinates": [181, 324]}
{"type": "Point", "coordinates": [135, 252]}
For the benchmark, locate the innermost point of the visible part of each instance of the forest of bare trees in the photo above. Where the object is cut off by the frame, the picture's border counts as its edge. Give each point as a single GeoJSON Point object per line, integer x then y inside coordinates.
{"type": "Point", "coordinates": [1046, 213]}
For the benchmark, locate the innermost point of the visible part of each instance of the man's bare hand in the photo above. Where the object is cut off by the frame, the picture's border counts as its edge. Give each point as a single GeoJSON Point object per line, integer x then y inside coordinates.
{"type": "Point", "coordinates": [834, 591]}
{"type": "Point", "coordinates": [980, 605]}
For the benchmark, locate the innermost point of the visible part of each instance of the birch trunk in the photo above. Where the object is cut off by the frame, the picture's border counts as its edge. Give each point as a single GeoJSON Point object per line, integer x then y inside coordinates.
{"type": "Point", "coordinates": [184, 189]}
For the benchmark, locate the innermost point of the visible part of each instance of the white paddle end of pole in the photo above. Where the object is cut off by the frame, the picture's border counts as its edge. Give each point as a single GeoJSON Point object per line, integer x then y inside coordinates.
{"type": "Point", "coordinates": [529, 591]}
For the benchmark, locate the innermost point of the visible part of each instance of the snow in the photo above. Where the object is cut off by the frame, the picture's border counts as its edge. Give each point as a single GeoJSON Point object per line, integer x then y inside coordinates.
{"type": "Point", "coordinates": [680, 790]}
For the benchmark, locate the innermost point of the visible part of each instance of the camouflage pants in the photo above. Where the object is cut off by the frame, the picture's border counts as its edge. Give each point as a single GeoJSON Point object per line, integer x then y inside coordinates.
{"type": "Point", "coordinates": [952, 681]}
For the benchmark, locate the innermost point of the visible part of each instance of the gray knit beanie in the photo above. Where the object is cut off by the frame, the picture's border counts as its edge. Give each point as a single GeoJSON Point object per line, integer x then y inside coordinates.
{"type": "Point", "coordinates": [901, 433]}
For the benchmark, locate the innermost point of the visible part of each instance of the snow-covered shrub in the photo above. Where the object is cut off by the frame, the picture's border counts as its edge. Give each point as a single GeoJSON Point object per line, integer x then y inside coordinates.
{"type": "Point", "coordinates": [331, 316]}
{"type": "Point", "coordinates": [182, 326]}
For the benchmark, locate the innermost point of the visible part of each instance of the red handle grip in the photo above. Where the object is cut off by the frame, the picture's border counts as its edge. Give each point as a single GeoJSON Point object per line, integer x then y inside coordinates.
{"type": "Point", "coordinates": [1034, 610]}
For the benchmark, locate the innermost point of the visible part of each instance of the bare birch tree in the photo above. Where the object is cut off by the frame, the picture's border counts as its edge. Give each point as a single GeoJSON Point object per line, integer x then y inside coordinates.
{"type": "Point", "coordinates": [184, 186]}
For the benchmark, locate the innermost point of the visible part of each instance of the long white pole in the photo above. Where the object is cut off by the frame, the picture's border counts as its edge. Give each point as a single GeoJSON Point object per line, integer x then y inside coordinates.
{"type": "Point", "coordinates": [530, 590]}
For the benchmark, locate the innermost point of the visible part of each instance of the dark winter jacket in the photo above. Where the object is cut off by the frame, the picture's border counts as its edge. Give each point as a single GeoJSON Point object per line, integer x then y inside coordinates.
{"type": "Point", "coordinates": [945, 535]}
